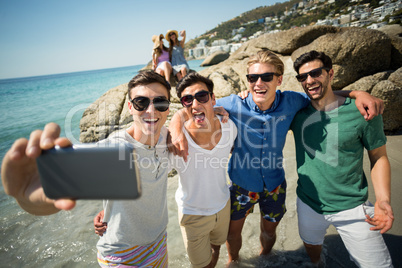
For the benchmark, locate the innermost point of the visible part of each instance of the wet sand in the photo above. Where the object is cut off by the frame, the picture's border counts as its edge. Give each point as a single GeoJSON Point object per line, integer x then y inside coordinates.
{"type": "Point", "coordinates": [288, 250]}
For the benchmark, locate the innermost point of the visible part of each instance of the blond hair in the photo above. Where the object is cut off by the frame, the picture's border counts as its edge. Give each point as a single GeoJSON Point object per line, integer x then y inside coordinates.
{"type": "Point", "coordinates": [265, 56]}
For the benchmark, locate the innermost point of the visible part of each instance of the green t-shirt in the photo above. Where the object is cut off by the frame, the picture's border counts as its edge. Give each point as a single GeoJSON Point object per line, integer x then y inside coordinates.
{"type": "Point", "coordinates": [329, 154]}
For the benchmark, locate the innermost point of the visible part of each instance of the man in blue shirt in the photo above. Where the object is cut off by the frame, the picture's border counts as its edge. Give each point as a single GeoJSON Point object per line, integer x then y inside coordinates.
{"type": "Point", "coordinates": [256, 169]}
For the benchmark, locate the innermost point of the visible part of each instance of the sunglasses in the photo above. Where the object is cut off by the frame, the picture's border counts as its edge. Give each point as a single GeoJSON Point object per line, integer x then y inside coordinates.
{"type": "Point", "coordinates": [202, 97]}
{"type": "Point", "coordinates": [141, 103]}
{"type": "Point", "coordinates": [313, 74]}
{"type": "Point", "coordinates": [266, 77]}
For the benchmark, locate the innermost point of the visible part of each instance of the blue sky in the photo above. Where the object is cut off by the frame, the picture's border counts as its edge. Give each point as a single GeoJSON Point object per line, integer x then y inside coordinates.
{"type": "Point", "coordinates": [54, 36]}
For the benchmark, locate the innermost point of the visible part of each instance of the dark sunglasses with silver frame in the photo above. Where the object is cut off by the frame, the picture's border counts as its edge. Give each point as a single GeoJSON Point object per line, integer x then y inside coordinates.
{"type": "Point", "coordinates": [313, 73]}
{"type": "Point", "coordinates": [141, 103]}
{"type": "Point", "coordinates": [201, 96]}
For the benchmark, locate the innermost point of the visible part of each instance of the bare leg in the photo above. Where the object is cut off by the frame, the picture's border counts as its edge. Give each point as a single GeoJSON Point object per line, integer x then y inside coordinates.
{"type": "Point", "coordinates": [159, 71]}
{"type": "Point", "coordinates": [179, 76]}
{"type": "Point", "coordinates": [234, 240]}
{"type": "Point", "coordinates": [168, 71]}
{"type": "Point", "coordinates": [267, 236]}
{"type": "Point", "coordinates": [184, 71]}
{"type": "Point", "coordinates": [314, 252]}
{"type": "Point", "coordinates": [215, 256]}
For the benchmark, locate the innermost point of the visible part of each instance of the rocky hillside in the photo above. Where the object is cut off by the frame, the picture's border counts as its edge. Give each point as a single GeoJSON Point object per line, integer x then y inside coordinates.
{"type": "Point", "coordinates": [363, 59]}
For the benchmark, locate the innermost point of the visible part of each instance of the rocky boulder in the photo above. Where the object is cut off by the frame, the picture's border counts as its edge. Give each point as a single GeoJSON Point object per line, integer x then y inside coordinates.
{"type": "Point", "coordinates": [388, 87]}
{"type": "Point", "coordinates": [288, 41]}
{"type": "Point", "coordinates": [104, 116]}
{"type": "Point", "coordinates": [355, 53]}
{"type": "Point", "coordinates": [215, 58]}
{"type": "Point", "coordinates": [394, 30]}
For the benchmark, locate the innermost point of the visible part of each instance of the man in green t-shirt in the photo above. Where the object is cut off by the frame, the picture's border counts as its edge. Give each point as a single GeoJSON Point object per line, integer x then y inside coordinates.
{"type": "Point", "coordinates": [330, 136]}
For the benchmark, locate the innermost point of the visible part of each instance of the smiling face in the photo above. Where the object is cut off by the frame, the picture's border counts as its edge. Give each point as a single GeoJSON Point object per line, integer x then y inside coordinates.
{"type": "Point", "coordinates": [316, 88]}
{"type": "Point", "coordinates": [264, 92]}
{"type": "Point", "coordinates": [200, 114]}
{"type": "Point", "coordinates": [147, 124]}
{"type": "Point", "coordinates": [173, 36]}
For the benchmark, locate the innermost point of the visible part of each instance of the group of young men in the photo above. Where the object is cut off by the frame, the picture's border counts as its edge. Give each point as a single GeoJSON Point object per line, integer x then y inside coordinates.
{"type": "Point", "coordinates": [330, 135]}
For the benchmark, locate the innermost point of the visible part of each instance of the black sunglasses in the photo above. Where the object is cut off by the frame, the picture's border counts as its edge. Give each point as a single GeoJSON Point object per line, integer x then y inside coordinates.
{"type": "Point", "coordinates": [266, 77]}
{"type": "Point", "coordinates": [141, 103]}
{"type": "Point", "coordinates": [202, 96]}
{"type": "Point", "coordinates": [313, 73]}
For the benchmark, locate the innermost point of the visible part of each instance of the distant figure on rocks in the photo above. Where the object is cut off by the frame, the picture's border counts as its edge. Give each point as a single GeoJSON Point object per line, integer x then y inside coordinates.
{"type": "Point", "coordinates": [179, 63]}
{"type": "Point", "coordinates": [161, 58]}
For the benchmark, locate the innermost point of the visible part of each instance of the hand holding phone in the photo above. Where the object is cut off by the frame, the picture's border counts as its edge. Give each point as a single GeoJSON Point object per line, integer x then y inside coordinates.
{"type": "Point", "coordinates": [89, 172]}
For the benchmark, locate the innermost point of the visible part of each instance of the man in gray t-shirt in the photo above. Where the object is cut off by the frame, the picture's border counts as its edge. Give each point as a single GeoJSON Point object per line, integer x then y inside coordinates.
{"type": "Point", "coordinates": [146, 217]}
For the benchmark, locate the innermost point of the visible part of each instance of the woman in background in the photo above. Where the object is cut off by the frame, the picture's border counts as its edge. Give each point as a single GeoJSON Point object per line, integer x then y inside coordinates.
{"type": "Point", "coordinates": [176, 48]}
{"type": "Point", "coordinates": [161, 58]}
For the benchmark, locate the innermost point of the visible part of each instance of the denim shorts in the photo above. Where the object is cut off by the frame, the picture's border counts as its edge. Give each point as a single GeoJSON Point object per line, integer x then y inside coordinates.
{"type": "Point", "coordinates": [272, 204]}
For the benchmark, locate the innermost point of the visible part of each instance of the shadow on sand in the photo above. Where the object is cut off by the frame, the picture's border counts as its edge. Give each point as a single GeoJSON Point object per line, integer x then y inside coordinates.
{"type": "Point", "coordinates": [336, 255]}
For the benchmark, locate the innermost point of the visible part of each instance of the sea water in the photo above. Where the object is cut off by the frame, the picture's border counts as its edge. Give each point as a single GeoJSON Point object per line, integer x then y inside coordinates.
{"type": "Point", "coordinates": [67, 239]}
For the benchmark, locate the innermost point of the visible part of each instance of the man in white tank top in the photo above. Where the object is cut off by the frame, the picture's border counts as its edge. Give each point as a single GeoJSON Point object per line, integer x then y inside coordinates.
{"type": "Point", "coordinates": [203, 193]}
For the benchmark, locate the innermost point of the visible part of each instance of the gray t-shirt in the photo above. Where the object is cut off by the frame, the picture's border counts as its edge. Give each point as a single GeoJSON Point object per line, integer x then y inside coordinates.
{"type": "Point", "coordinates": [142, 221]}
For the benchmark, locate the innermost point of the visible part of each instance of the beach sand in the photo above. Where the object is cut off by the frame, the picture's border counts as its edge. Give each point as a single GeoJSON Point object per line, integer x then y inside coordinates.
{"type": "Point", "coordinates": [288, 250]}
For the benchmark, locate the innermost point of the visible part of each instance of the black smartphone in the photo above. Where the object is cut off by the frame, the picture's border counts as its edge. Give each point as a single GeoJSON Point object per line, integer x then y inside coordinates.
{"type": "Point", "coordinates": [90, 172]}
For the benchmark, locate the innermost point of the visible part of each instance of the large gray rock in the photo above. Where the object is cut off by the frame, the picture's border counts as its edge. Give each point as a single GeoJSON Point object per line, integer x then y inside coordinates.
{"type": "Point", "coordinates": [215, 58]}
{"type": "Point", "coordinates": [395, 34]}
{"type": "Point", "coordinates": [103, 116]}
{"type": "Point", "coordinates": [396, 52]}
{"type": "Point", "coordinates": [288, 41]}
{"type": "Point", "coordinates": [392, 30]}
{"type": "Point", "coordinates": [285, 42]}
{"type": "Point", "coordinates": [355, 53]}
{"type": "Point", "coordinates": [367, 83]}
{"type": "Point", "coordinates": [229, 77]}
{"type": "Point", "coordinates": [392, 96]}
{"type": "Point", "coordinates": [388, 87]}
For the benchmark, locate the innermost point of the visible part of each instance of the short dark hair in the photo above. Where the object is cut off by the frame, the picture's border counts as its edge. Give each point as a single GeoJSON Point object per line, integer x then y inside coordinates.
{"type": "Point", "coordinates": [193, 78]}
{"type": "Point", "coordinates": [311, 56]}
{"type": "Point", "coordinates": [148, 77]}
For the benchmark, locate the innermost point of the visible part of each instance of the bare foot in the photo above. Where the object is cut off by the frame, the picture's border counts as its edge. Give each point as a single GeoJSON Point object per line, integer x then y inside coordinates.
{"type": "Point", "coordinates": [233, 264]}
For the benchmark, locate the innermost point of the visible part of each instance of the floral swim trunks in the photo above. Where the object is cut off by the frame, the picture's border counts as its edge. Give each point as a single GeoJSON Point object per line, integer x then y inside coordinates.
{"type": "Point", "coordinates": [272, 204]}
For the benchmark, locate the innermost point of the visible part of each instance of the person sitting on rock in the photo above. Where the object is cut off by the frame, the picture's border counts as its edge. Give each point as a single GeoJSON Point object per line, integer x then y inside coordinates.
{"type": "Point", "coordinates": [161, 58]}
{"type": "Point", "coordinates": [179, 63]}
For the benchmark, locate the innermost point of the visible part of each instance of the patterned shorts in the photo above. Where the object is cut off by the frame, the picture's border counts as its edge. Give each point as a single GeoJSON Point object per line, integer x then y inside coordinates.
{"type": "Point", "coordinates": [154, 255]}
{"type": "Point", "coordinates": [272, 204]}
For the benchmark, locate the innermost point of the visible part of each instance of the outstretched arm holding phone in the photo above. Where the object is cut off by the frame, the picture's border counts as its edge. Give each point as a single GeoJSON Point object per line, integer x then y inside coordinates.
{"type": "Point", "coordinates": [19, 172]}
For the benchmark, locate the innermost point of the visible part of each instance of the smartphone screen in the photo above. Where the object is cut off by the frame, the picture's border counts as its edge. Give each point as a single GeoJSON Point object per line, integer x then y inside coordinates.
{"type": "Point", "coordinates": [90, 172]}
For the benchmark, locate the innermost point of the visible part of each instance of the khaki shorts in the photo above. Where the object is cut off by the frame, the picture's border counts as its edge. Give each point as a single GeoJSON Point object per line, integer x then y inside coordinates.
{"type": "Point", "coordinates": [199, 232]}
